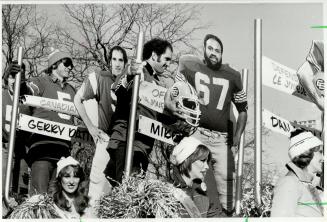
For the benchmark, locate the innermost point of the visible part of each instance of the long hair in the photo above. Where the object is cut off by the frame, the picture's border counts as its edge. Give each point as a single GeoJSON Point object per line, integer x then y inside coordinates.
{"type": "Point", "coordinates": [202, 152]}
{"type": "Point", "coordinates": [81, 199]}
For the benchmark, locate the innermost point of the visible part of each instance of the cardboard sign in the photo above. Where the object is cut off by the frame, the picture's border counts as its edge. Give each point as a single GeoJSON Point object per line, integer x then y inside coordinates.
{"type": "Point", "coordinates": [155, 129]}
{"type": "Point", "coordinates": [276, 123]}
{"type": "Point", "coordinates": [152, 96]}
{"type": "Point", "coordinates": [59, 106]}
{"type": "Point", "coordinates": [53, 129]}
{"type": "Point", "coordinates": [282, 78]}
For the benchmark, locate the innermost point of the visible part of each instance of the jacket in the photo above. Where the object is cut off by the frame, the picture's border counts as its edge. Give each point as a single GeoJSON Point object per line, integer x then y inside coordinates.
{"type": "Point", "coordinates": [295, 196]}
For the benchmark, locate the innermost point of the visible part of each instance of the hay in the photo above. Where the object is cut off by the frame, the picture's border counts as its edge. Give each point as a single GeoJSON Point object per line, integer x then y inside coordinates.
{"type": "Point", "coordinates": [35, 207]}
{"type": "Point", "coordinates": [137, 197]}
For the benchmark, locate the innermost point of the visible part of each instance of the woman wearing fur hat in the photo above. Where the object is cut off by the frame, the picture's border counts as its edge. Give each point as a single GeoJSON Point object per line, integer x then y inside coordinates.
{"type": "Point", "coordinates": [190, 159]}
{"type": "Point", "coordinates": [69, 189]}
{"type": "Point", "coordinates": [295, 194]}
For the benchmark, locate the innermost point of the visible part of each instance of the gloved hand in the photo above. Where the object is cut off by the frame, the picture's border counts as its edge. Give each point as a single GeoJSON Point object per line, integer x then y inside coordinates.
{"type": "Point", "coordinates": [14, 68]}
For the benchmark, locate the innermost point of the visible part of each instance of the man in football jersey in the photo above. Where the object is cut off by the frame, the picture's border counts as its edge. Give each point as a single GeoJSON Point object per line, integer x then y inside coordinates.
{"type": "Point", "coordinates": [311, 74]}
{"type": "Point", "coordinates": [43, 151]}
{"type": "Point", "coordinates": [217, 85]}
{"type": "Point", "coordinates": [98, 86]}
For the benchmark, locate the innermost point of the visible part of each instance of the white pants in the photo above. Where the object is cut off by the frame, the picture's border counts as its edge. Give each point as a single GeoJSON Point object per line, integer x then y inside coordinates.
{"type": "Point", "coordinates": [98, 182]}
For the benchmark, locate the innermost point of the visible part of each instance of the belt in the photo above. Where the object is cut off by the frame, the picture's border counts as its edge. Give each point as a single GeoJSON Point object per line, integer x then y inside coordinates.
{"type": "Point", "coordinates": [212, 133]}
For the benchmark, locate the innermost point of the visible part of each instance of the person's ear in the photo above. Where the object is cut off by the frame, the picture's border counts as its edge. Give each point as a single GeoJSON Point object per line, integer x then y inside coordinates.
{"type": "Point", "coordinates": [154, 56]}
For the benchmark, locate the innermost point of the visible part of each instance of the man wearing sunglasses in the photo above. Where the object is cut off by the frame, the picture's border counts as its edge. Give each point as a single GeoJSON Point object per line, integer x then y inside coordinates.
{"type": "Point", "coordinates": [98, 86]}
{"type": "Point", "coordinates": [43, 152]}
{"type": "Point", "coordinates": [217, 85]}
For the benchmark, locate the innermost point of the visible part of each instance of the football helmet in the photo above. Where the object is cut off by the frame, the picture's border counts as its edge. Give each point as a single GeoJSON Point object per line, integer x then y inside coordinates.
{"type": "Point", "coordinates": [319, 83]}
{"type": "Point", "coordinates": [183, 99]}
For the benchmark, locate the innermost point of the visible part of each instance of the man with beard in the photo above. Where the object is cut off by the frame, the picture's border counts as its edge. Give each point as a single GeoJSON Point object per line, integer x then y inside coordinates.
{"type": "Point", "coordinates": [217, 85]}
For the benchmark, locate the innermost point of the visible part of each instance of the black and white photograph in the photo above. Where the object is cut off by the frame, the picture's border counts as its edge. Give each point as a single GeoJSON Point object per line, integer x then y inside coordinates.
{"type": "Point", "coordinates": [163, 109]}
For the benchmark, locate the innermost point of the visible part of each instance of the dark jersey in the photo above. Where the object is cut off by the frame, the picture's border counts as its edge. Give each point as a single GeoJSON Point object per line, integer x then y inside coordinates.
{"type": "Point", "coordinates": [216, 90]}
{"type": "Point", "coordinates": [48, 87]}
{"type": "Point", "coordinates": [98, 86]}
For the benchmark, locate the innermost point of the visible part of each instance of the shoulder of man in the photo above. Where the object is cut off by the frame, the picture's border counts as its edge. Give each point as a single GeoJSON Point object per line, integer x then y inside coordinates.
{"type": "Point", "coordinates": [189, 59]}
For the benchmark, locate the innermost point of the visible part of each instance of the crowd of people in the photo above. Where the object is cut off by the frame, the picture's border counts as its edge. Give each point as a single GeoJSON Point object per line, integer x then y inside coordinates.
{"type": "Point", "coordinates": [199, 95]}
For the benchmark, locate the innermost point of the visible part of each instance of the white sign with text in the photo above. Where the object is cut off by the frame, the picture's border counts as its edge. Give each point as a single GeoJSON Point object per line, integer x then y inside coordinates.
{"type": "Point", "coordinates": [155, 129]}
{"type": "Point", "coordinates": [276, 123]}
{"type": "Point", "coordinates": [51, 104]}
{"type": "Point", "coordinates": [282, 78]}
{"type": "Point", "coordinates": [53, 129]}
{"type": "Point", "coordinates": [152, 96]}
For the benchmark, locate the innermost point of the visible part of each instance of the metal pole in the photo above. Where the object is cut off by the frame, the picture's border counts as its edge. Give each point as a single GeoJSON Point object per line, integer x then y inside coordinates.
{"type": "Point", "coordinates": [241, 154]}
{"type": "Point", "coordinates": [258, 105]}
{"type": "Point", "coordinates": [13, 123]}
{"type": "Point", "coordinates": [132, 116]}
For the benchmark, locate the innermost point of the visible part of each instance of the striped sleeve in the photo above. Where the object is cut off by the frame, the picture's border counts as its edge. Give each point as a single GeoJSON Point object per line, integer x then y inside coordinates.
{"type": "Point", "coordinates": [240, 97]}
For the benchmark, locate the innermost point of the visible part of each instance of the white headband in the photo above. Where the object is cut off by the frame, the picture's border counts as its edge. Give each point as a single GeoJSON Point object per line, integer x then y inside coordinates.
{"type": "Point", "coordinates": [184, 149]}
{"type": "Point", "coordinates": [63, 162]}
{"type": "Point", "coordinates": [302, 143]}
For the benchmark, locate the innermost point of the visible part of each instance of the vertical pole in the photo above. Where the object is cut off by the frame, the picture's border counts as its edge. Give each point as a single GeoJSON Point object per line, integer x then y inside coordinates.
{"type": "Point", "coordinates": [258, 105]}
{"type": "Point", "coordinates": [132, 116]}
{"type": "Point", "coordinates": [13, 123]}
{"type": "Point", "coordinates": [241, 154]}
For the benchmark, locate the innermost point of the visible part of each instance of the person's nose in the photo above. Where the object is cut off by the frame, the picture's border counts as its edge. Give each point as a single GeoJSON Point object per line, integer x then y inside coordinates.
{"type": "Point", "coordinates": [206, 166]}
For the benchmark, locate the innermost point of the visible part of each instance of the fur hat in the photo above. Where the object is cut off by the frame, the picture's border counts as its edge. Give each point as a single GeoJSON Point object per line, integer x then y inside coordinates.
{"type": "Point", "coordinates": [56, 56]}
{"type": "Point", "coordinates": [184, 149]}
{"type": "Point", "coordinates": [63, 162]}
{"type": "Point", "coordinates": [301, 143]}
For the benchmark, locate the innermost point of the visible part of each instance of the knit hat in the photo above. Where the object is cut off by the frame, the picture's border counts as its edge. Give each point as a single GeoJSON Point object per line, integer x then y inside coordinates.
{"type": "Point", "coordinates": [301, 143]}
{"type": "Point", "coordinates": [56, 56]}
{"type": "Point", "coordinates": [63, 162]}
{"type": "Point", "coordinates": [184, 149]}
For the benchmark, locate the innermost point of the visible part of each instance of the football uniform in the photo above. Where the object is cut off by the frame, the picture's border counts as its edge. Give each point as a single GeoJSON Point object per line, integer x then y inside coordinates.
{"type": "Point", "coordinates": [98, 86]}
{"type": "Point", "coordinates": [48, 87]}
{"type": "Point", "coordinates": [216, 89]}
{"type": "Point", "coordinates": [44, 151]}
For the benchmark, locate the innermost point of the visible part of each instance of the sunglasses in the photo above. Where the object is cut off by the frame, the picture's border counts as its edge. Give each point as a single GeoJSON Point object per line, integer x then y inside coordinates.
{"type": "Point", "coordinates": [67, 63]}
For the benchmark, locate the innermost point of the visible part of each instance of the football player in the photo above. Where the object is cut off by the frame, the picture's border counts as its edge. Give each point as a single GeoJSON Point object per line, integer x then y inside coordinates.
{"type": "Point", "coordinates": [43, 151]}
{"type": "Point", "coordinates": [217, 85]}
{"type": "Point", "coordinates": [98, 86]}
